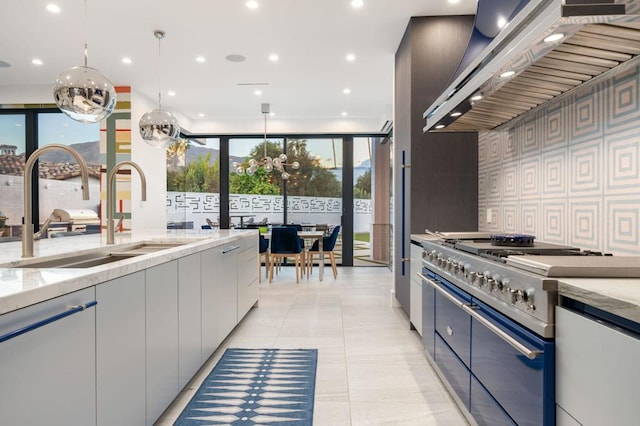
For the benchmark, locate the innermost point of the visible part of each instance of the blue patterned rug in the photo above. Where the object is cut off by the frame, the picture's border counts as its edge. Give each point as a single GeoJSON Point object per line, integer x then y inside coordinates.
{"type": "Point", "coordinates": [256, 387]}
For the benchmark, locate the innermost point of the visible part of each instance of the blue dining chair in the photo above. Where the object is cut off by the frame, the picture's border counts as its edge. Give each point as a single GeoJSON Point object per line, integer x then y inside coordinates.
{"type": "Point", "coordinates": [263, 250]}
{"type": "Point", "coordinates": [285, 243]}
{"type": "Point", "coordinates": [328, 244]}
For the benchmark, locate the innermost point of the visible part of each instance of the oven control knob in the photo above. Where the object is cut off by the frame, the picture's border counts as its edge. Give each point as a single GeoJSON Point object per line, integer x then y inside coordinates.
{"type": "Point", "coordinates": [503, 285]}
{"type": "Point", "coordinates": [527, 296]}
{"type": "Point", "coordinates": [519, 295]}
{"type": "Point", "coordinates": [512, 295]}
{"type": "Point", "coordinates": [491, 282]}
{"type": "Point", "coordinates": [482, 280]}
{"type": "Point", "coordinates": [471, 277]}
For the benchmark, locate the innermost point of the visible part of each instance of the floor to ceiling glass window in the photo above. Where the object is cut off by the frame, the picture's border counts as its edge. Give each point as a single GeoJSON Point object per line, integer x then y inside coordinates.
{"type": "Point", "coordinates": [193, 184]}
{"type": "Point", "coordinates": [12, 151]}
{"type": "Point", "coordinates": [255, 197]}
{"type": "Point", "coordinates": [314, 191]}
{"type": "Point", "coordinates": [59, 183]}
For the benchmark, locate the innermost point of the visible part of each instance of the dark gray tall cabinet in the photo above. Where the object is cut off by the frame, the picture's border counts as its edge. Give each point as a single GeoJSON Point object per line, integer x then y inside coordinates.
{"type": "Point", "coordinates": [437, 186]}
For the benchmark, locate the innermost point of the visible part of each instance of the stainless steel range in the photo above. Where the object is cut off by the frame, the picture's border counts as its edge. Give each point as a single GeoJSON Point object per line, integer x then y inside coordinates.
{"type": "Point", "coordinates": [488, 319]}
{"type": "Point", "coordinates": [519, 281]}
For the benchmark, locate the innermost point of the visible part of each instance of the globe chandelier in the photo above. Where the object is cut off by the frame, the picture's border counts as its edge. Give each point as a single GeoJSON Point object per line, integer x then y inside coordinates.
{"type": "Point", "coordinates": [159, 128]}
{"type": "Point", "coordinates": [83, 93]}
{"type": "Point", "coordinates": [267, 163]}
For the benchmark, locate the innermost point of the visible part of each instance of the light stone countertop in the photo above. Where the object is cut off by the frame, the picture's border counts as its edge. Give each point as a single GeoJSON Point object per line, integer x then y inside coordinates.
{"type": "Point", "coordinates": [619, 296]}
{"type": "Point", "coordinates": [21, 287]}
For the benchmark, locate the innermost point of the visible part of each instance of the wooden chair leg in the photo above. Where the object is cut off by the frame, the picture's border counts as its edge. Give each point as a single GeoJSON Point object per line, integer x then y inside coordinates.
{"type": "Point", "coordinates": [333, 264]}
{"type": "Point", "coordinates": [259, 268]}
{"type": "Point", "coordinates": [297, 260]}
{"type": "Point", "coordinates": [271, 262]}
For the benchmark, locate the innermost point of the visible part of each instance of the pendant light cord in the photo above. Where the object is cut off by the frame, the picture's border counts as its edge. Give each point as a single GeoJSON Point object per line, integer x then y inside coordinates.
{"type": "Point", "coordinates": [160, 36]}
{"type": "Point", "coordinates": [86, 46]}
{"type": "Point", "coordinates": [265, 135]}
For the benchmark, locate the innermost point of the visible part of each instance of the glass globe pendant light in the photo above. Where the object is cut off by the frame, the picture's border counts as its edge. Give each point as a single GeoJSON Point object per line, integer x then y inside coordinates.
{"type": "Point", "coordinates": [266, 162]}
{"type": "Point", "coordinates": [159, 128]}
{"type": "Point", "coordinates": [83, 93]}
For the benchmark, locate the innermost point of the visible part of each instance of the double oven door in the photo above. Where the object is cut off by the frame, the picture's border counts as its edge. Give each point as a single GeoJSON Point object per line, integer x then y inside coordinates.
{"type": "Point", "coordinates": [502, 373]}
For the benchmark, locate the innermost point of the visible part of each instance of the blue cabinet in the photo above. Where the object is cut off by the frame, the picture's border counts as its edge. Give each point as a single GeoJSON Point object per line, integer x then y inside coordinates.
{"type": "Point", "coordinates": [453, 368]}
{"type": "Point", "coordinates": [453, 324]}
{"type": "Point", "coordinates": [484, 409]}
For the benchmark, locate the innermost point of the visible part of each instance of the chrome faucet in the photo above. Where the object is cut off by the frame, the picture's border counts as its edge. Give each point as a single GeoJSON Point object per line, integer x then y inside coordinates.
{"type": "Point", "coordinates": [27, 226]}
{"type": "Point", "coordinates": [111, 185]}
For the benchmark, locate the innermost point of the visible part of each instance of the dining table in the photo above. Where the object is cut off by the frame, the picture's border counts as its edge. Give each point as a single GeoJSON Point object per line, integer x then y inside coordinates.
{"type": "Point", "coordinates": [309, 236]}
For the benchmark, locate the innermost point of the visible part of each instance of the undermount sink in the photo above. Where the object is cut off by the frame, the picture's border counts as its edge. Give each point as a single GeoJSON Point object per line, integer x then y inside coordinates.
{"type": "Point", "coordinates": [98, 258]}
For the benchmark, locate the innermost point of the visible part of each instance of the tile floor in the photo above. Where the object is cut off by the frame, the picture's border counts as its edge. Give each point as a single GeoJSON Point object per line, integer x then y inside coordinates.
{"type": "Point", "coordinates": [371, 367]}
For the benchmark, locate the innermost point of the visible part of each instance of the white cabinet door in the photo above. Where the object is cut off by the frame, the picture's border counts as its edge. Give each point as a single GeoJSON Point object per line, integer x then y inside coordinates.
{"type": "Point", "coordinates": [210, 302]}
{"type": "Point", "coordinates": [247, 276]}
{"type": "Point", "coordinates": [597, 374]}
{"type": "Point", "coordinates": [227, 317]}
{"type": "Point", "coordinates": [189, 318]}
{"type": "Point", "coordinates": [47, 375]}
{"type": "Point", "coordinates": [162, 337]}
{"type": "Point", "coordinates": [120, 351]}
{"type": "Point", "coordinates": [415, 306]}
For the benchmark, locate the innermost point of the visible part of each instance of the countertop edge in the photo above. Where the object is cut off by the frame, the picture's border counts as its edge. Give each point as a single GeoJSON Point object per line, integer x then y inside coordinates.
{"type": "Point", "coordinates": [70, 281]}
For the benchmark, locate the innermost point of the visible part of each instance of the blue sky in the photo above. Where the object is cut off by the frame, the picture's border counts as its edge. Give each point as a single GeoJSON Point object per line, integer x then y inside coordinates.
{"type": "Point", "coordinates": [53, 128]}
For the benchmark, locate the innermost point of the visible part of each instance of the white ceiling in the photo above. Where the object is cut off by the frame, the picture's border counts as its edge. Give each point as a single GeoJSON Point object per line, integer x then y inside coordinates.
{"type": "Point", "coordinates": [311, 38]}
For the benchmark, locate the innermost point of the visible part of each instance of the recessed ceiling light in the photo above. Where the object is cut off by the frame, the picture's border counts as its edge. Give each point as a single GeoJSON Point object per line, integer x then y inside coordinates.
{"type": "Point", "coordinates": [274, 58]}
{"type": "Point", "coordinates": [553, 37]}
{"type": "Point", "coordinates": [252, 4]}
{"type": "Point", "coordinates": [507, 74]}
{"type": "Point", "coordinates": [36, 61]}
{"type": "Point", "coordinates": [200, 59]}
{"type": "Point", "coordinates": [351, 57]}
{"type": "Point", "coordinates": [53, 8]}
{"type": "Point", "coordinates": [126, 60]}
{"type": "Point", "coordinates": [344, 114]}
{"type": "Point", "coordinates": [440, 126]}
{"type": "Point", "coordinates": [456, 114]}
{"type": "Point", "coordinates": [234, 57]}
{"type": "Point", "coordinates": [346, 91]}
{"type": "Point", "coordinates": [171, 93]}
{"type": "Point", "coordinates": [257, 92]}
{"type": "Point", "coordinates": [357, 3]}
{"type": "Point", "coordinates": [272, 114]}
{"type": "Point", "coordinates": [476, 97]}
{"type": "Point", "coordinates": [201, 114]}
{"type": "Point", "coordinates": [501, 22]}
{"type": "Point", "coordinates": [453, 1]}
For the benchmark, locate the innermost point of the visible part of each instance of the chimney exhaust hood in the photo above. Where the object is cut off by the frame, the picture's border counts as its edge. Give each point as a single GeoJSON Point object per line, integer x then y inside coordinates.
{"type": "Point", "coordinates": [548, 48]}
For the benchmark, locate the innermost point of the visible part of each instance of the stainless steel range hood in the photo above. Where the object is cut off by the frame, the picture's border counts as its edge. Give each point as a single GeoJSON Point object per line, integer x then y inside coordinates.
{"type": "Point", "coordinates": [597, 36]}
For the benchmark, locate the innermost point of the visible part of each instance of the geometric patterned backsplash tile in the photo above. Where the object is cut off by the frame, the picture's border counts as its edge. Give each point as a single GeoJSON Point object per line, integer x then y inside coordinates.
{"type": "Point", "coordinates": [569, 172]}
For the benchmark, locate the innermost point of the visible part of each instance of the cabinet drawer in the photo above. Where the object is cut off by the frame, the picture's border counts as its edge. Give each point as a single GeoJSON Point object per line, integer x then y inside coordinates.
{"type": "Point", "coordinates": [455, 371]}
{"type": "Point", "coordinates": [484, 409]}
{"type": "Point", "coordinates": [428, 318]}
{"type": "Point", "coordinates": [454, 325]}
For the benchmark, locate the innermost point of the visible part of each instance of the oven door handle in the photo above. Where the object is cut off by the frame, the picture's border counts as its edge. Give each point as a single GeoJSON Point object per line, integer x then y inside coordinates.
{"type": "Point", "coordinates": [529, 353]}
{"type": "Point", "coordinates": [443, 292]}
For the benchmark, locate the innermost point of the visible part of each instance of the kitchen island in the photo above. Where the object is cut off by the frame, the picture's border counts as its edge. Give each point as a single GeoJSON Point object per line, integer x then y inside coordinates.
{"type": "Point", "coordinates": [115, 343]}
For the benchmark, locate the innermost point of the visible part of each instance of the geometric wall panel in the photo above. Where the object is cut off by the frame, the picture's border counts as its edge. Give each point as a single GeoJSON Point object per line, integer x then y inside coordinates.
{"type": "Point", "coordinates": [483, 142]}
{"type": "Point", "coordinates": [554, 221]}
{"type": "Point", "coordinates": [529, 222]}
{"type": "Point", "coordinates": [570, 169]}
{"type": "Point", "coordinates": [586, 113]}
{"type": "Point", "coordinates": [586, 167]}
{"type": "Point", "coordinates": [510, 217]}
{"type": "Point", "coordinates": [623, 101]}
{"type": "Point", "coordinates": [494, 184]}
{"type": "Point", "coordinates": [556, 128]}
{"type": "Point", "coordinates": [529, 181]}
{"type": "Point", "coordinates": [623, 218]}
{"type": "Point", "coordinates": [585, 218]}
{"type": "Point", "coordinates": [510, 182]}
{"type": "Point", "coordinates": [623, 152]}
{"type": "Point", "coordinates": [531, 140]}
{"type": "Point", "coordinates": [554, 173]}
